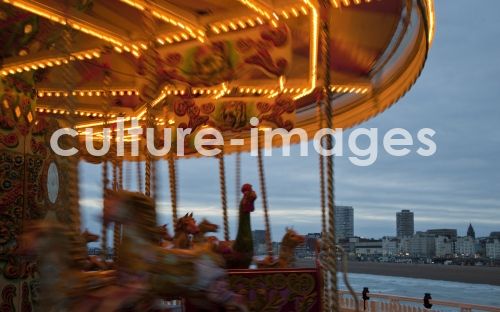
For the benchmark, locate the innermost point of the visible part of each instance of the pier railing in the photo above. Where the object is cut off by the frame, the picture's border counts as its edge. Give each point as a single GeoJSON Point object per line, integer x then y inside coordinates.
{"type": "Point", "coordinates": [390, 303]}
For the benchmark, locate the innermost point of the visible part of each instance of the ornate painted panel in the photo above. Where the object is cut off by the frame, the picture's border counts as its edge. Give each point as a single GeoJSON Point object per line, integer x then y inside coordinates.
{"type": "Point", "coordinates": [279, 290]}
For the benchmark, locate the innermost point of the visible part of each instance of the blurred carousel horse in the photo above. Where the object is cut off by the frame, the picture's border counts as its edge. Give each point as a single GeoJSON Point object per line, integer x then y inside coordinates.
{"type": "Point", "coordinates": [165, 239]}
{"type": "Point", "coordinates": [205, 227]}
{"type": "Point", "coordinates": [185, 228]}
{"type": "Point", "coordinates": [286, 259]}
{"type": "Point", "coordinates": [196, 274]}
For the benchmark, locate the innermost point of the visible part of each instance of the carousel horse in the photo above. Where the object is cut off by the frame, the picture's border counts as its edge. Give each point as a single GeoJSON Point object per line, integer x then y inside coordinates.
{"type": "Point", "coordinates": [165, 239]}
{"type": "Point", "coordinates": [205, 227]}
{"type": "Point", "coordinates": [286, 258]}
{"type": "Point", "coordinates": [239, 255]}
{"type": "Point", "coordinates": [93, 262]}
{"type": "Point", "coordinates": [185, 228]}
{"type": "Point", "coordinates": [195, 274]}
{"type": "Point", "coordinates": [64, 286]}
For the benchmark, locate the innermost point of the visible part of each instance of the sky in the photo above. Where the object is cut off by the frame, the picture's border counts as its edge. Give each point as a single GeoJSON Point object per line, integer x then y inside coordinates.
{"type": "Point", "coordinates": [457, 95]}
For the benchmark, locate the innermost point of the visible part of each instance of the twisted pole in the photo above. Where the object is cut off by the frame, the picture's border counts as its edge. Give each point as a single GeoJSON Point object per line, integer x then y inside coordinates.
{"type": "Point", "coordinates": [150, 83]}
{"type": "Point", "coordinates": [238, 178]}
{"type": "Point", "coordinates": [139, 174]}
{"type": "Point", "coordinates": [324, 247]}
{"type": "Point", "coordinates": [105, 179]}
{"type": "Point", "coordinates": [78, 250]}
{"type": "Point", "coordinates": [331, 251]}
{"type": "Point", "coordinates": [262, 180]}
{"type": "Point", "coordinates": [172, 174]}
{"type": "Point", "coordinates": [223, 194]}
{"type": "Point", "coordinates": [128, 175]}
{"type": "Point", "coordinates": [117, 227]}
{"type": "Point", "coordinates": [104, 230]}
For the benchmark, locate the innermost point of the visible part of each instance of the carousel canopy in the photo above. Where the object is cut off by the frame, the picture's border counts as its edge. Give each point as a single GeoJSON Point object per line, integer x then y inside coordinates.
{"type": "Point", "coordinates": [217, 62]}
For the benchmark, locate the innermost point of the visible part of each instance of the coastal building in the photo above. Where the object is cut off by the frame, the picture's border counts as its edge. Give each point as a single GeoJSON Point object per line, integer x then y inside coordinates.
{"type": "Point", "coordinates": [405, 225]}
{"type": "Point", "coordinates": [465, 246]}
{"type": "Point", "coordinates": [404, 245]}
{"type": "Point", "coordinates": [259, 242]}
{"type": "Point", "coordinates": [368, 247]}
{"type": "Point", "coordinates": [493, 248]}
{"type": "Point", "coordinates": [450, 233]}
{"type": "Point", "coordinates": [344, 222]}
{"type": "Point", "coordinates": [259, 236]}
{"type": "Point", "coordinates": [422, 245]}
{"type": "Point", "coordinates": [444, 246]}
{"type": "Point", "coordinates": [389, 246]}
{"type": "Point", "coordinates": [311, 242]}
{"type": "Point", "coordinates": [471, 232]}
{"type": "Point", "coordinates": [495, 234]}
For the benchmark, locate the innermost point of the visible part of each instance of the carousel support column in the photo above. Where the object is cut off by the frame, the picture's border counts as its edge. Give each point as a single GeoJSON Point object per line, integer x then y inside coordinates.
{"type": "Point", "coordinates": [139, 174]}
{"type": "Point", "coordinates": [120, 174]}
{"type": "Point", "coordinates": [238, 178]}
{"type": "Point", "coordinates": [105, 179]}
{"type": "Point", "coordinates": [332, 250]}
{"type": "Point", "coordinates": [154, 180]}
{"type": "Point", "coordinates": [104, 233]}
{"type": "Point", "coordinates": [78, 251]}
{"type": "Point", "coordinates": [223, 194]}
{"type": "Point", "coordinates": [128, 175]}
{"type": "Point", "coordinates": [117, 226]}
{"type": "Point", "coordinates": [262, 180]}
{"type": "Point", "coordinates": [150, 83]}
{"type": "Point", "coordinates": [324, 242]}
{"type": "Point", "coordinates": [172, 174]}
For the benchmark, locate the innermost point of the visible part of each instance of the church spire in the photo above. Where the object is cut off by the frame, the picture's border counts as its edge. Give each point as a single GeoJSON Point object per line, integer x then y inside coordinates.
{"type": "Point", "coordinates": [470, 231]}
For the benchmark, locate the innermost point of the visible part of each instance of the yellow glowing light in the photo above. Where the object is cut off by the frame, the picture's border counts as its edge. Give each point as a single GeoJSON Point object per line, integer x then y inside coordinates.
{"type": "Point", "coordinates": [313, 50]}
{"type": "Point", "coordinates": [259, 7]}
{"type": "Point", "coordinates": [168, 17]}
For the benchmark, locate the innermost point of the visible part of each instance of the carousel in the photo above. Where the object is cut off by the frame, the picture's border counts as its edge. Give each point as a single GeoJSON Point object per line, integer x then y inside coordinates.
{"type": "Point", "coordinates": [103, 68]}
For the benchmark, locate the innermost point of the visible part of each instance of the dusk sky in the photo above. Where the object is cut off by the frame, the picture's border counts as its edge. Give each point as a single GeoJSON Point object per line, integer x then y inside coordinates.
{"type": "Point", "coordinates": [457, 95]}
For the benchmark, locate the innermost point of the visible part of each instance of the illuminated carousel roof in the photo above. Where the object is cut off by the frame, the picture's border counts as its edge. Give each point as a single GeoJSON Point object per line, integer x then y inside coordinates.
{"type": "Point", "coordinates": [219, 61]}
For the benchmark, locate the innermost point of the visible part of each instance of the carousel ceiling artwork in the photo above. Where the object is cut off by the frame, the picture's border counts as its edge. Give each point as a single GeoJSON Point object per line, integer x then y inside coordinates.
{"type": "Point", "coordinates": [217, 62]}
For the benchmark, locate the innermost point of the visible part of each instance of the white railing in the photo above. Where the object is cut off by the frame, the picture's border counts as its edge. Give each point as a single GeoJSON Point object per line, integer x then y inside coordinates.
{"type": "Point", "coordinates": [389, 303]}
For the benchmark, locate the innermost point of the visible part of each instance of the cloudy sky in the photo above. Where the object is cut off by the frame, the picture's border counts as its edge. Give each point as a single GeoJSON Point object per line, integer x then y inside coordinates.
{"type": "Point", "coordinates": [457, 96]}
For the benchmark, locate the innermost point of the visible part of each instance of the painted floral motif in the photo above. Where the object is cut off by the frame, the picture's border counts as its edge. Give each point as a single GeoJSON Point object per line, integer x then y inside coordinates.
{"type": "Point", "coordinates": [262, 53]}
{"type": "Point", "coordinates": [8, 295]}
{"type": "Point", "coordinates": [233, 115]}
{"type": "Point", "coordinates": [19, 268]}
{"type": "Point", "coordinates": [278, 290]}
{"type": "Point", "coordinates": [9, 140]}
{"type": "Point", "coordinates": [229, 115]}
{"type": "Point", "coordinates": [25, 303]}
{"type": "Point", "coordinates": [8, 231]}
{"type": "Point", "coordinates": [283, 105]}
{"type": "Point", "coordinates": [36, 199]}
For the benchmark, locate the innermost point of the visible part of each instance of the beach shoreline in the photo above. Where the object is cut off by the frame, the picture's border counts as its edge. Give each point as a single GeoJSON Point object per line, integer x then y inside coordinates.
{"type": "Point", "coordinates": [452, 273]}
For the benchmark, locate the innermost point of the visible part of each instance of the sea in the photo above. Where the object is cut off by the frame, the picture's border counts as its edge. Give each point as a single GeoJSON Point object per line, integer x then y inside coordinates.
{"type": "Point", "coordinates": [415, 287]}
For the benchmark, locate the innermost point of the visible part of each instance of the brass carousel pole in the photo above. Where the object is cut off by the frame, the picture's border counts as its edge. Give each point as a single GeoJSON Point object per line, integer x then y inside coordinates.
{"type": "Point", "coordinates": [238, 177]}
{"type": "Point", "coordinates": [117, 228]}
{"type": "Point", "coordinates": [330, 182]}
{"type": "Point", "coordinates": [150, 89]}
{"type": "Point", "coordinates": [172, 174]}
{"type": "Point", "coordinates": [223, 194]}
{"type": "Point", "coordinates": [105, 179]}
{"type": "Point", "coordinates": [324, 243]}
{"type": "Point", "coordinates": [78, 251]}
{"type": "Point", "coordinates": [262, 179]}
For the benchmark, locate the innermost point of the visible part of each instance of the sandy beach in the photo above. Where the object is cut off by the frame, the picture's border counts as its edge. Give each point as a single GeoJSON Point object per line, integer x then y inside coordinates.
{"type": "Point", "coordinates": [455, 273]}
